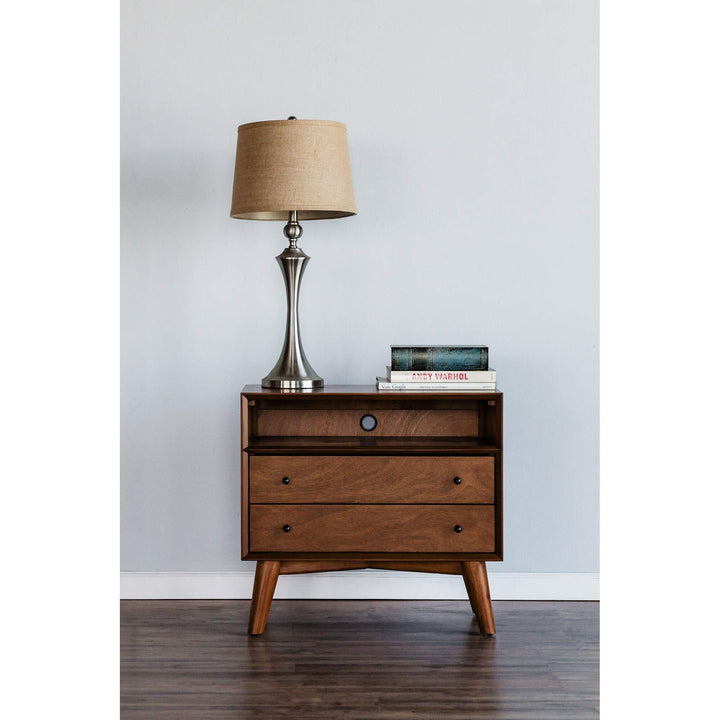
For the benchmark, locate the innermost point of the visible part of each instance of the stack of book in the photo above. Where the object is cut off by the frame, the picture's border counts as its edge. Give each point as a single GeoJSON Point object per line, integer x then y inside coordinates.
{"type": "Point", "coordinates": [438, 367]}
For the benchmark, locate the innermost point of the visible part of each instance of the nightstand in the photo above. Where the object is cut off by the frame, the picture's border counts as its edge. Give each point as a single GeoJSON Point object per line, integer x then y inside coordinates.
{"type": "Point", "coordinates": [348, 477]}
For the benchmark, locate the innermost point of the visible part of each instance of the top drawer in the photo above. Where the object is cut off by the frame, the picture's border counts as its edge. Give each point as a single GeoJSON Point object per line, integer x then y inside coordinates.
{"type": "Point", "coordinates": [406, 480]}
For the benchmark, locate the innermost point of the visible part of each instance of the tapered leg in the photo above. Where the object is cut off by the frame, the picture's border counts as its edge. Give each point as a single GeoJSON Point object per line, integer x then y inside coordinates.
{"type": "Point", "coordinates": [266, 575]}
{"type": "Point", "coordinates": [476, 582]}
{"type": "Point", "coordinates": [471, 595]}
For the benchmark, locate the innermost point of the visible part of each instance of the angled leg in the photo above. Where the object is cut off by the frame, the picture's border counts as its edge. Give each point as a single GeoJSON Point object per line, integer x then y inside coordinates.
{"type": "Point", "coordinates": [266, 575]}
{"type": "Point", "coordinates": [471, 596]}
{"type": "Point", "coordinates": [476, 582]}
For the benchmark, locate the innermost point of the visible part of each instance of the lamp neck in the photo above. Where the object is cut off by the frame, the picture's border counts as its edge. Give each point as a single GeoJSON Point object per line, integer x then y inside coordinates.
{"type": "Point", "coordinates": [293, 230]}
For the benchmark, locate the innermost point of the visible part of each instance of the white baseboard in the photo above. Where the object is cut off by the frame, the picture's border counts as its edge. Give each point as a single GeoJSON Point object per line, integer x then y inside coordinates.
{"type": "Point", "coordinates": [357, 585]}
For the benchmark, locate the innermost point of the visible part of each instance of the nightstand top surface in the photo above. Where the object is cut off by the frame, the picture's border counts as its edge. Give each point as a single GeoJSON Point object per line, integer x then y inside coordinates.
{"type": "Point", "coordinates": [354, 390]}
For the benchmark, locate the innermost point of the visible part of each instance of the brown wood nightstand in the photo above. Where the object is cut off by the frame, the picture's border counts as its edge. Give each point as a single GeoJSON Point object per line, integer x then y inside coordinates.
{"type": "Point", "coordinates": [349, 477]}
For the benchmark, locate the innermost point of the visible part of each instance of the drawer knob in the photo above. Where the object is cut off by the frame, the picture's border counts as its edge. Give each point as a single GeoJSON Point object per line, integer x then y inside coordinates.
{"type": "Point", "coordinates": [286, 528]}
{"type": "Point", "coordinates": [286, 481]}
{"type": "Point", "coordinates": [457, 480]}
{"type": "Point", "coordinates": [458, 528]}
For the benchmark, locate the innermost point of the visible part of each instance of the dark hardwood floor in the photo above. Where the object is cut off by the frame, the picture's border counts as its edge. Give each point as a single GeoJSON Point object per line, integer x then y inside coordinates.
{"type": "Point", "coordinates": [358, 660]}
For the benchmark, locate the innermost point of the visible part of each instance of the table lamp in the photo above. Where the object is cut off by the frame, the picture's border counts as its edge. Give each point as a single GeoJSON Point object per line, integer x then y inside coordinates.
{"type": "Point", "coordinates": [292, 170]}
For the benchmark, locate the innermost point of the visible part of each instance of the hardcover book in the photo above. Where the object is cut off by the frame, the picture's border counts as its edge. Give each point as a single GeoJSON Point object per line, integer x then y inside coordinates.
{"type": "Point", "coordinates": [439, 357]}
{"type": "Point", "coordinates": [385, 384]}
{"type": "Point", "coordinates": [411, 376]}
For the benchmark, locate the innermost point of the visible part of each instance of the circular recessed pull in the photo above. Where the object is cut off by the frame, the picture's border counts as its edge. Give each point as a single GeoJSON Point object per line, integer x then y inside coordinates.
{"type": "Point", "coordinates": [458, 528]}
{"type": "Point", "coordinates": [286, 528]}
{"type": "Point", "coordinates": [286, 481]}
{"type": "Point", "coordinates": [368, 422]}
{"type": "Point", "coordinates": [457, 480]}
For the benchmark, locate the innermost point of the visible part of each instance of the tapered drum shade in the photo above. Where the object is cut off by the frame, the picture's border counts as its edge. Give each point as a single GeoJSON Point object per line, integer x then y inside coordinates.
{"type": "Point", "coordinates": [285, 165]}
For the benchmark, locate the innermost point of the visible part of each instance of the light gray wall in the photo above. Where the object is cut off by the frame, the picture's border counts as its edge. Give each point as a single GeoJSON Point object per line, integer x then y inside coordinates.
{"type": "Point", "coordinates": [473, 131]}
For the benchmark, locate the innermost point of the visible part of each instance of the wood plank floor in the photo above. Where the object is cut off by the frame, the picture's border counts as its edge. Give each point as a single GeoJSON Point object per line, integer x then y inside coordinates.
{"type": "Point", "coordinates": [358, 660]}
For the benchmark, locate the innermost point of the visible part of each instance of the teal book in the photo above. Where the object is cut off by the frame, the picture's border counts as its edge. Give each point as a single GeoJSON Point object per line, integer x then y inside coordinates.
{"type": "Point", "coordinates": [439, 357]}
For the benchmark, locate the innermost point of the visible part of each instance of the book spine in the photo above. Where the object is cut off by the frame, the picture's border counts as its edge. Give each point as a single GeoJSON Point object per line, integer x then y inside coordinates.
{"type": "Point", "coordinates": [439, 358]}
{"type": "Point", "coordinates": [387, 385]}
{"type": "Point", "coordinates": [442, 376]}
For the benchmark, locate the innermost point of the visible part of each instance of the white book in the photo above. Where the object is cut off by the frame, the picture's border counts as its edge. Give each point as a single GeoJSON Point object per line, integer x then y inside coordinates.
{"type": "Point", "coordinates": [414, 376]}
{"type": "Point", "coordinates": [385, 384]}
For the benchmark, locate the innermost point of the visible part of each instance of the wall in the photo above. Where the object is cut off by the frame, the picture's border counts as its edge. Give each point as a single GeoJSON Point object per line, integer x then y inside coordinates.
{"type": "Point", "coordinates": [473, 131]}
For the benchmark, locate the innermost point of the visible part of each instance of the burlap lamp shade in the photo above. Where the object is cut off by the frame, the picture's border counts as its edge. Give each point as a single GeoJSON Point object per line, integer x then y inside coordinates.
{"type": "Point", "coordinates": [292, 170]}
{"type": "Point", "coordinates": [284, 165]}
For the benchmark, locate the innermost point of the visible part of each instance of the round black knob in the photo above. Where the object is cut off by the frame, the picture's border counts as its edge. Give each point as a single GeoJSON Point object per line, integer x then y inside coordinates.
{"type": "Point", "coordinates": [457, 480]}
{"type": "Point", "coordinates": [458, 528]}
{"type": "Point", "coordinates": [286, 481]}
{"type": "Point", "coordinates": [286, 528]}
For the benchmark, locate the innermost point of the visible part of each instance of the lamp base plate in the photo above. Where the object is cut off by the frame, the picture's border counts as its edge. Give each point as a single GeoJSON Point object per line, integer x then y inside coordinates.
{"type": "Point", "coordinates": [280, 383]}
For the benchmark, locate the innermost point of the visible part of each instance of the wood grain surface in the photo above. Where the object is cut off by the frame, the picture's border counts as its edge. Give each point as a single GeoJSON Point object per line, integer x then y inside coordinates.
{"type": "Point", "coordinates": [362, 480]}
{"type": "Point", "coordinates": [293, 567]}
{"type": "Point", "coordinates": [372, 528]}
{"type": "Point", "coordinates": [360, 445]}
{"type": "Point", "coordinates": [349, 392]}
{"type": "Point", "coordinates": [309, 421]}
{"type": "Point", "coordinates": [358, 660]}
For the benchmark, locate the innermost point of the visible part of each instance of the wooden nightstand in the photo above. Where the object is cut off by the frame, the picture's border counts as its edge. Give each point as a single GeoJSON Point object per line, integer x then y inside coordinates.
{"type": "Point", "coordinates": [417, 485]}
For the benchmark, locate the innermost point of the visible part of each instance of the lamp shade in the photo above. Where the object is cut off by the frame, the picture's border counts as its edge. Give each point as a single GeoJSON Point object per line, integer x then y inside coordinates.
{"type": "Point", "coordinates": [285, 165]}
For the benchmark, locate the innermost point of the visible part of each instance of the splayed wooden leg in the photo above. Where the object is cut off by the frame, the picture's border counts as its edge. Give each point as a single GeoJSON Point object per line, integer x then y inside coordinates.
{"type": "Point", "coordinates": [266, 575]}
{"type": "Point", "coordinates": [476, 582]}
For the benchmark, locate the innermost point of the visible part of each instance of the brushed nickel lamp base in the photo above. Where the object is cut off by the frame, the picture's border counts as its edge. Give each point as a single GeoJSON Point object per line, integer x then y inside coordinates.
{"type": "Point", "coordinates": [292, 371]}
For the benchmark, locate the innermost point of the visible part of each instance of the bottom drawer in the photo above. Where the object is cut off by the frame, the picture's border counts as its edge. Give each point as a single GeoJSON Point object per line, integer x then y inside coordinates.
{"type": "Point", "coordinates": [372, 528]}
